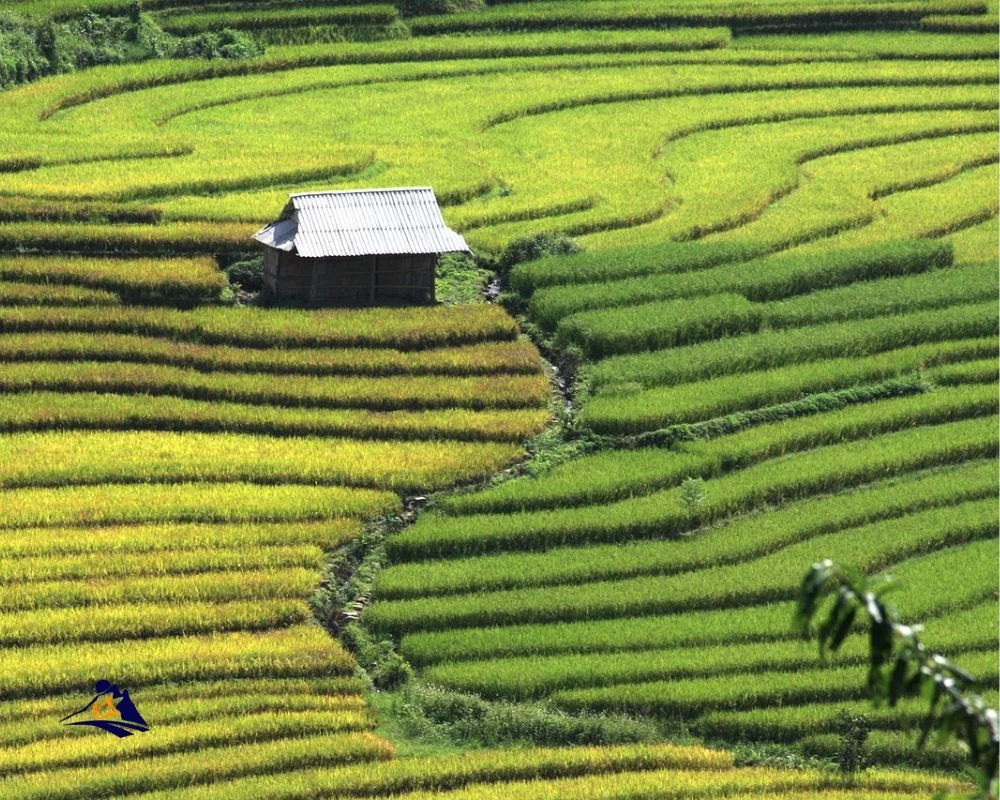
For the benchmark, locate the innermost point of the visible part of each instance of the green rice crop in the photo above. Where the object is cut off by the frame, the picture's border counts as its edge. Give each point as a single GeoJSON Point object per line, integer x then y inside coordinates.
{"type": "Point", "coordinates": [771, 278]}
{"type": "Point", "coordinates": [703, 627]}
{"type": "Point", "coordinates": [194, 502]}
{"type": "Point", "coordinates": [655, 325]}
{"type": "Point", "coordinates": [959, 23]}
{"type": "Point", "coordinates": [616, 474]}
{"type": "Point", "coordinates": [117, 623]}
{"type": "Point", "coordinates": [27, 411]}
{"type": "Point", "coordinates": [181, 24]}
{"type": "Point", "coordinates": [751, 536]}
{"type": "Point", "coordinates": [476, 359]}
{"type": "Point", "coordinates": [152, 539]}
{"type": "Point", "coordinates": [409, 328]}
{"type": "Point", "coordinates": [615, 411]}
{"type": "Point", "coordinates": [662, 514]}
{"type": "Point", "coordinates": [687, 698]}
{"type": "Point", "coordinates": [541, 15]}
{"type": "Point", "coordinates": [524, 678]}
{"type": "Point", "coordinates": [184, 281]}
{"type": "Point", "coordinates": [777, 348]}
{"type": "Point", "coordinates": [373, 394]}
{"type": "Point", "coordinates": [769, 578]}
{"type": "Point", "coordinates": [537, 676]}
{"type": "Point", "coordinates": [878, 44]}
{"type": "Point", "coordinates": [299, 651]}
{"type": "Point", "coordinates": [931, 289]}
{"type": "Point", "coordinates": [30, 294]}
{"type": "Point", "coordinates": [977, 371]}
{"type": "Point", "coordinates": [791, 723]}
{"type": "Point", "coordinates": [78, 457]}
{"type": "Point", "coordinates": [625, 262]}
{"type": "Point", "coordinates": [893, 747]}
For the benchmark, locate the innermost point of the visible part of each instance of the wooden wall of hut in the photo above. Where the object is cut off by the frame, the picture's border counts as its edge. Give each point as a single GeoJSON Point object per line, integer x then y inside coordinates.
{"type": "Point", "coordinates": [350, 281]}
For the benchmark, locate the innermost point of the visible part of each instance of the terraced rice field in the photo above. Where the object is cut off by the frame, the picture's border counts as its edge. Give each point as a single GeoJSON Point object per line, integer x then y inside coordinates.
{"type": "Point", "coordinates": [788, 290]}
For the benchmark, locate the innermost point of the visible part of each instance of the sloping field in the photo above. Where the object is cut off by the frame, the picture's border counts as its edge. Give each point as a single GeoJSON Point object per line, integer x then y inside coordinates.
{"type": "Point", "coordinates": [788, 291]}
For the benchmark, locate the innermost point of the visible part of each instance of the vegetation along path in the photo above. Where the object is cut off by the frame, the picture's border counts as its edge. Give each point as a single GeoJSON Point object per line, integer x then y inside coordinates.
{"type": "Point", "coordinates": [778, 335]}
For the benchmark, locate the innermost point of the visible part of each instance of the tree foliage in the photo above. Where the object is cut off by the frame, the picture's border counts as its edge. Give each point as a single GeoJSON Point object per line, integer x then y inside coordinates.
{"type": "Point", "coordinates": [900, 665]}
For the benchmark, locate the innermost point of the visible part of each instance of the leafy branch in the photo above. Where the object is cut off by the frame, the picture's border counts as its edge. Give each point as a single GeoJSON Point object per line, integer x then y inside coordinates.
{"type": "Point", "coordinates": [900, 665]}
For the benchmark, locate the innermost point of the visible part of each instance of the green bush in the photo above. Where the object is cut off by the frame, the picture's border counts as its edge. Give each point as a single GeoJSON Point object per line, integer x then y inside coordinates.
{"type": "Point", "coordinates": [227, 43]}
{"type": "Point", "coordinates": [541, 245]}
{"type": "Point", "coordinates": [248, 273]}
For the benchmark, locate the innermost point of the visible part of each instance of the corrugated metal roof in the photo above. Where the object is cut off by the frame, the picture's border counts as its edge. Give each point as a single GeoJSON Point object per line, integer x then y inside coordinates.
{"type": "Point", "coordinates": [362, 222]}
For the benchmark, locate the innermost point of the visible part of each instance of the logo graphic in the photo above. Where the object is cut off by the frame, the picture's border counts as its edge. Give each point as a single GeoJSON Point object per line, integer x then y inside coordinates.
{"type": "Point", "coordinates": [111, 710]}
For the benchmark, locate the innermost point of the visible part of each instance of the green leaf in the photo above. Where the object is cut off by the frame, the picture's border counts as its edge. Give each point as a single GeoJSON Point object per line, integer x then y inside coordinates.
{"type": "Point", "coordinates": [843, 628]}
{"type": "Point", "coordinates": [897, 681]}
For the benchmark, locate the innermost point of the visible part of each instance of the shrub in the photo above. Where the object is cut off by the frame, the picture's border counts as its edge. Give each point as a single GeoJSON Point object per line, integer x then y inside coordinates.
{"type": "Point", "coordinates": [540, 245]}
{"type": "Point", "coordinates": [248, 274]}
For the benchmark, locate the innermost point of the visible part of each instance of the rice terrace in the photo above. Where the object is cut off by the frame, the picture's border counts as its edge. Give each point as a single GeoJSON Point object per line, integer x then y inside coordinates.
{"type": "Point", "coordinates": [494, 399]}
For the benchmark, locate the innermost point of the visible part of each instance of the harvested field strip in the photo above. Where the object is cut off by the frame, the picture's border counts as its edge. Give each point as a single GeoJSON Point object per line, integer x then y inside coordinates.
{"type": "Point", "coordinates": [31, 294]}
{"type": "Point", "coordinates": [299, 651]}
{"type": "Point", "coordinates": [488, 358]}
{"type": "Point", "coordinates": [406, 329]}
{"type": "Point", "coordinates": [153, 539]}
{"type": "Point", "coordinates": [112, 504]}
{"type": "Point", "coordinates": [80, 457]}
{"type": "Point", "coordinates": [413, 392]}
{"type": "Point", "coordinates": [618, 474]}
{"type": "Point", "coordinates": [33, 411]}
{"type": "Point", "coordinates": [688, 698]}
{"type": "Point", "coordinates": [661, 514]}
{"type": "Point", "coordinates": [212, 765]}
{"type": "Point", "coordinates": [771, 278]}
{"type": "Point", "coordinates": [181, 280]}
{"type": "Point", "coordinates": [777, 348]}
{"type": "Point", "coordinates": [117, 623]}
{"type": "Point", "coordinates": [767, 579]}
{"type": "Point", "coordinates": [652, 409]}
{"type": "Point", "coordinates": [97, 566]}
{"type": "Point", "coordinates": [384, 777]}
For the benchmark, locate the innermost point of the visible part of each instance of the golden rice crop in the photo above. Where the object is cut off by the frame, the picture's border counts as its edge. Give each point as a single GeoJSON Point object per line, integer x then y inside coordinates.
{"type": "Point", "coordinates": [79, 457]}
{"type": "Point", "coordinates": [192, 502]}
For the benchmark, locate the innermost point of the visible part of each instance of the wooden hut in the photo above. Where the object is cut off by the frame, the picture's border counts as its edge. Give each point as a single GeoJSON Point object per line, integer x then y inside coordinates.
{"type": "Point", "coordinates": [359, 247]}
